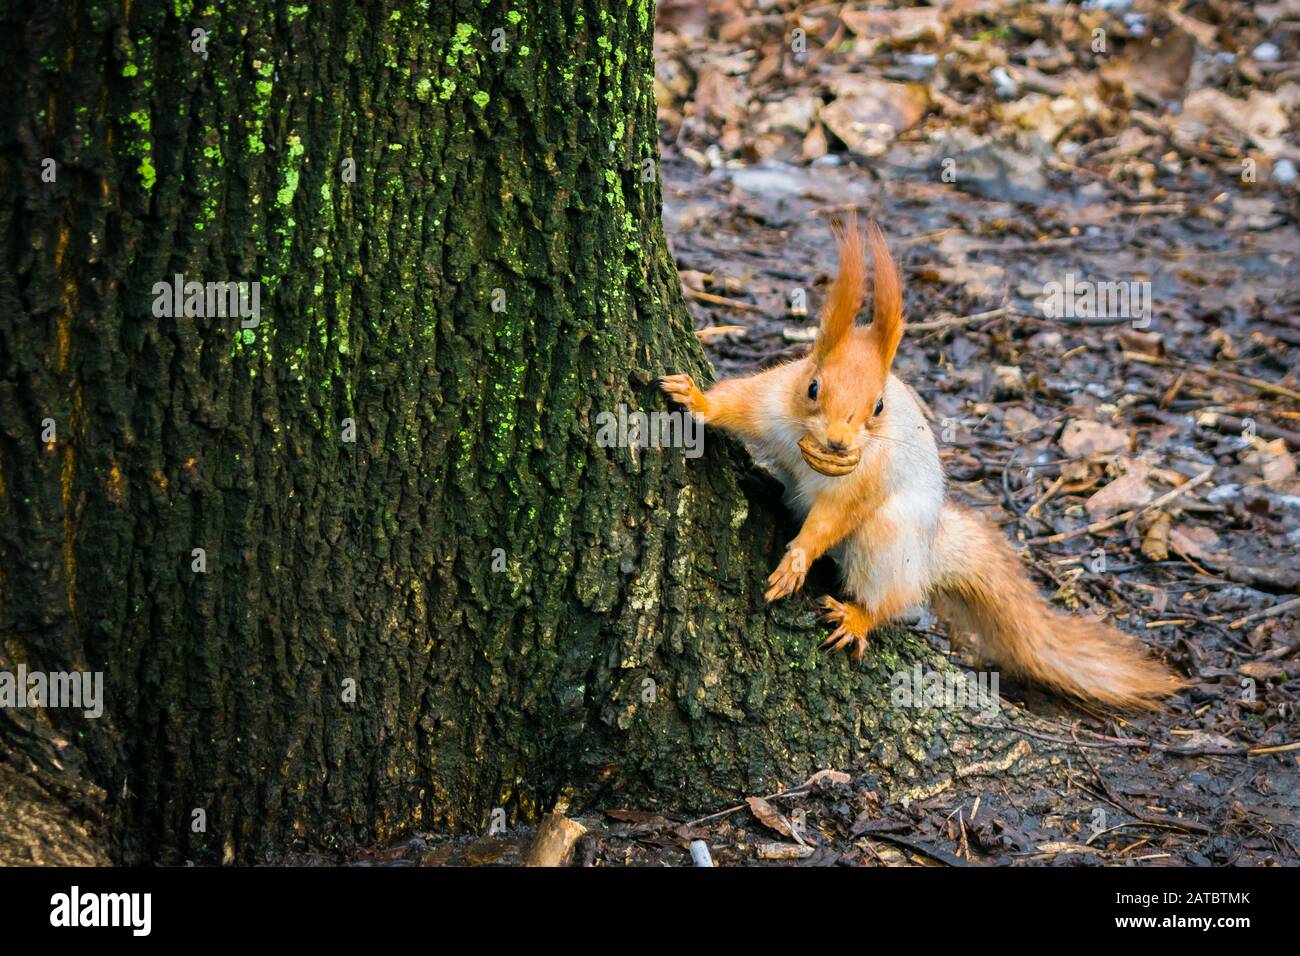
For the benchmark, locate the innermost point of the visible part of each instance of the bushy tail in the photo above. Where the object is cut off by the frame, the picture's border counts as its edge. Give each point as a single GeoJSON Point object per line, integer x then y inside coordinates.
{"type": "Point", "coordinates": [982, 589]}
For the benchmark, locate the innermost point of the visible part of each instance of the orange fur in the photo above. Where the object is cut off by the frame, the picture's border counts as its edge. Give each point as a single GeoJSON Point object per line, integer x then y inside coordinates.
{"type": "Point", "coordinates": [733, 404]}
{"type": "Point", "coordinates": [848, 291]}
{"type": "Point", "coordinates": [887, 316]}
{"type": "Point", "coordinates": [871, 486]}
{"type": "Point", "coordinates": [832, 518]}
{"type": "Point", "coordinates": [982, 591]}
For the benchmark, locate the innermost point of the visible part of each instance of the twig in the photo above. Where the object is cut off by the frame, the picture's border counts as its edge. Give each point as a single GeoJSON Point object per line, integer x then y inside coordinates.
{"type": "Point", "coordinates": [1126, 516]}
{"type": "Point", "coordinates": [1040, 245]}
{"type": "Point", "coordinates": [1273, 611]}
{"type": "Point", "coordinates": [792, 792]}
{"type": "Point", "coordinates": [1047, 496]}
{"type": "Point", "coordinates": [714, 331]}
{"type": "Point", "coordinates": [1231, 425]}
{"type": "Point", "coordinates": [720, 300]}
{"type": "Point", "coordinates": [933, 852]}
{"type": "Point", "coordinates": [1278, 749]}
{"type": "Point", "coordinates": [1191, 826]}
{"type": "Point", "coordinates": [1213, 372]}
{"type": "Point", "coordinates": [957, 320]}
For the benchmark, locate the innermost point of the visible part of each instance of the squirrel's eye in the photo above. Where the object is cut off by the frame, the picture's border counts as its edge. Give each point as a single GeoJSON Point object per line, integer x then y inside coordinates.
{"type": "Point", "coordinates": [812, 390]}
{"type": "Point", "coordinates": [880, 407]}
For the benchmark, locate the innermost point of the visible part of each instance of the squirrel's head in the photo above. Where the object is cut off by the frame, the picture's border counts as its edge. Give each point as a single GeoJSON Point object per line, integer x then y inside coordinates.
{"type": "Point", "coordinates": [841, 397]}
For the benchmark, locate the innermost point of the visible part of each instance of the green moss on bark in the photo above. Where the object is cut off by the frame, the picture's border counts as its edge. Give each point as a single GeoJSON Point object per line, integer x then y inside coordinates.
{"type": "Point", "coordinates": [373, 562]}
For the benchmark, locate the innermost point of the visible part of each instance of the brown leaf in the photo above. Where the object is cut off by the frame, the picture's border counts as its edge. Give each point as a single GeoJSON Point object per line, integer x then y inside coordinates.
{"type": "Point", "coordinates": [868, 113]}
{"type": "Point", "coordinates": [1158, 68]}
{"type": "Point", "coordinates": [1127, 491]}
{"type": "Point", "coordinates": [1205, 33]}
{"type": "Point", "coordinates": [1261, 117]}
{"type": "Point", "coordinates": [718, 96]}
{"type": "Point", "coordinates": [814, 144]}
{"type": "Point", "coordinates": [979, 280]}
{"type": "Point", "coordinates": [1262, 670]}
{"type": "Point", "coordinates": [1082, 437]}
{"type": "Point", "coordinates": [639, 817]}
{"type": "Point", "coordinates": [1149, 343]}
{"type": "Point", "coordinates": [1017, 420]}
{"type": "Point", "coordinates": [900, 26]}
{"type": "Point", "coordinates": [1275, 464]}
{"type": "Point", "coordinates": [1196, 541]}
{"type": "Point", "coordinates": [770, 817]}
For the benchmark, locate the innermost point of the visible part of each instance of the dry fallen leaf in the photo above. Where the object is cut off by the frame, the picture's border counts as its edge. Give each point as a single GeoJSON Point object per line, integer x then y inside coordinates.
{"type": "Point", "coordinates": [1260, 117]}
{"type": "Point", "coordinates": [1082, 437]}
{"type": "Point", "coordinates": [1011, 380]}
{"type": "Point", "coordinates": [1127, 491]}
{"type": "Point", "coordinates": [1157, 69]}
{"type": "Point", "coordinates": [718, 96]}
{"type": "Point", "coordinates": [1050, 116]}
{"type": "Point", "coordinates": [1017, 420]}
{"type": "Point", "coordinates": [1196, 541]}
{"type": "Point", "coordinates": [1262, 670]}
{"type": "Point", "coordinates": [1149, 343]}
{"type": "Point", "coordinates": [1275, 464]}
{"type": "Point", "coordinates": [867, 113]}
{"type": "Point", "coordinates": [771, 817]}
{"type": "Point", "coordinates": [979, 280]}
{"type": "Point", "coordinates": [814, 144]}
{"type": "Point", "coordinates": [900, 26]}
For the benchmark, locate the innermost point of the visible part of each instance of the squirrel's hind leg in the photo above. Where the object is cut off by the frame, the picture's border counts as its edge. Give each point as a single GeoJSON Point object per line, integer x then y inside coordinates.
{"type": "Point", "coordinates": [857, 619]}
{"type": "Point", "coordinates": [854, 625]}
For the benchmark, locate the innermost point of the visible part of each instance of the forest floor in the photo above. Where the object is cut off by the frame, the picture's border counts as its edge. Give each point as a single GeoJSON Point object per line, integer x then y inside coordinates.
{"type": "Point", "coordinates": [1002, 153]}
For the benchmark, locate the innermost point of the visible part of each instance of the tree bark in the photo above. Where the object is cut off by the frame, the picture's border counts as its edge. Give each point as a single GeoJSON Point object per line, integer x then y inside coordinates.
{"type": "Point", "coordinates": [524, 614]}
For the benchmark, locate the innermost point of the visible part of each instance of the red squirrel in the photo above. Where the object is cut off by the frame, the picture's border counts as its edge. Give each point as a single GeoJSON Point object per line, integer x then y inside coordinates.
{"type": "Point", "coordinates": [860, 467]}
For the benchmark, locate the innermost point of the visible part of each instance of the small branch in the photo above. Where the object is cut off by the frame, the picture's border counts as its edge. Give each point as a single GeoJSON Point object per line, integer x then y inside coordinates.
{"type": "Point", "coordinates": [1127, 515]}
{"type": "Point", "coordinates": [712, 299]}
{"type": "Point", "coordinates": [933, 852]}
{"type": "Point", "coordinates": [1213, 372]}
{"type": "Point", "coordinates": [711, 332]}
{"type": "Point", "coordinates": [953, 322]}
{"type": "Point", "coordinates": [1273, 611]}
{"type": "Point", "coordinates": [1177, 823]}
{"type": "Point", "coordinates": [1278, 749]}
{"type": "Point", "coordinates": [792, 792]}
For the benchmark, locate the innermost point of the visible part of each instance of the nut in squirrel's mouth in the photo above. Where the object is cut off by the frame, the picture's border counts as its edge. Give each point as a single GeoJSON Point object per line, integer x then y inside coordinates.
{"type": "Point", "coordinates": [827, 462]}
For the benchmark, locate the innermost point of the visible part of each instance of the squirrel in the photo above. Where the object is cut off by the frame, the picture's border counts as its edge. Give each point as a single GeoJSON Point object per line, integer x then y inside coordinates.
{"type": "Point", "coordinates": [850, 443]}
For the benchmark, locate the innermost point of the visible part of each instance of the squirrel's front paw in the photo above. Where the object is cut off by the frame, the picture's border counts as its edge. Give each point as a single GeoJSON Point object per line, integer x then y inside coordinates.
{"type": "Point", "coordinates": [854, 626]}
{"type": "Point", "coordinates": [681, 389]}
{"type": "Point", "coordinates": [789, 575]}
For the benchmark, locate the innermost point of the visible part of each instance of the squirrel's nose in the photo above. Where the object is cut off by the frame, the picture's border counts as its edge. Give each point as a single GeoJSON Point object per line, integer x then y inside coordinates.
{"type": "Point", "coordinates": [839, 437]}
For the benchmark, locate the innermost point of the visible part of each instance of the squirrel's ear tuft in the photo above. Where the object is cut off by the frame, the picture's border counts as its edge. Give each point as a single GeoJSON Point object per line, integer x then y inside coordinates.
{"type": "Point", "coordinates": [887, 317]}
{"type": "Point", "coordinates": [849, 289]}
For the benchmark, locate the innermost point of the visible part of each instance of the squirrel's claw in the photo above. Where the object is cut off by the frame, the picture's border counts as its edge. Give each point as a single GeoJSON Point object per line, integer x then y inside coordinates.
{"type": "Point", "coordinates": [852, 631]}
{"type": "Point", "coordinates": [788, 577]}
{"type": "Point", "coordinates": [682, 390]}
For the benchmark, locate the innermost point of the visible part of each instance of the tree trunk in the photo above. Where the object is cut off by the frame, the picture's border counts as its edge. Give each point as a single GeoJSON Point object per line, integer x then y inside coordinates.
{"type": "Point", "coordinates": [523, 613]}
